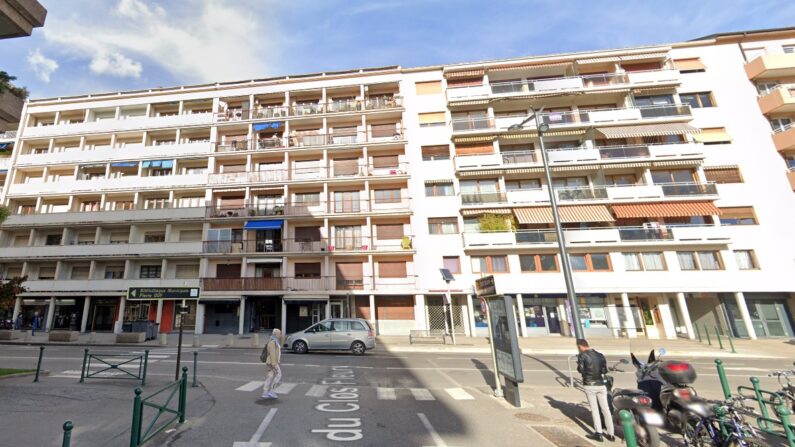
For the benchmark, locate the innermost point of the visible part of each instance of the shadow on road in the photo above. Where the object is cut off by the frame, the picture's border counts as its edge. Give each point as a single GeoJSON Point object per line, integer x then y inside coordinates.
{"type": "Point", "coordinates": [488, 375]}
{"type": "Point", "coordinates": [560, 377]}
{"type": "Point", "coordinates": [577, 413]}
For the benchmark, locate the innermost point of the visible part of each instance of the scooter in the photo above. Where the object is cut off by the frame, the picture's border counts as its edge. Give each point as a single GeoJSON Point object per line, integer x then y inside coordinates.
{"type": "Point", "coordinates": [639, 403]}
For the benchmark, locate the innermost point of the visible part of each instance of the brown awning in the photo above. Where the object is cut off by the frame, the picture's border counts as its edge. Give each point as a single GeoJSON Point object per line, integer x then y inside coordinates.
{"type": "Point", "coordinates": [599, 60]}
{"type": "Point", "coordinates": [659, 164]}
{"type": "Point", "coordinates": [638, 57]}
{"type": "Point", "coordinates": [670, 209]}
{"type": "Point", "coordinates": [478, 212]}
{"type": "Point", "coordinates": [691, 64]}
{"type": "Point", "coordinates": [475, 102]}
{"type": "Point", "coordinates": [648, 130]}
{"type": "Point", "coordinates": [568, 214]}
{"type": "Point", "coordinates": [480, 139]}
{"type": "Point", "coordinates": [438, 181]}
{"type": "Point", "coordinates": [465, 74]}
{"type": "Point", "coordinates": [528, 66]}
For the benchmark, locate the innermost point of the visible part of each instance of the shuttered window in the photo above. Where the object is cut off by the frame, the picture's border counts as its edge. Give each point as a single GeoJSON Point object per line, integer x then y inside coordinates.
{"type": "Point", "coordinates": [690, 65]}
{"type": "Point", "coordinates": [229, 202]}
{"type": "Point", "coordinates": [465, 82]}
{"type": "Point", "coordinates": [738, 215]}
{"type": "Point", "coordinates": [392, 269]}
{"type": "Point", "coordinates": [186, 271]}
{"type": "Point", "coordinates": [385, 161]}
{"type": "Point", "coordinates": [384, 130]}
{"type": "Point", "coordinates": [307, 234]}
{"type": "Point", "coordinates": [452, 263]}
{"type": "Point", "coordinates": [46, 272]}
{"type": "Point", "coordinates": [432, 119]}
{"type": "Point", "coordinates": [394, 308]}
{"type": "Point", "coordinates": [346, 166]}
{"type": "Point", "coordinates": [344, 131]}
{"type": "Point", "coordinates": [470, 149]}
{"type": "Point", "coordinates": [428, 88]}
{"type": "Point", "coordinates": [190, 235]}
{"type": "Point", "coordinates": [227, 271]}
{"type": "Point", "coordinates": [349, 271]}
{"type": "Point", "coordinates": [643, 66]}
{"type": "Point", "coordinates": [233, 168]}
{"type": "Point", "coordinates": [723, 175]}
{"type": "Point", "coordinates": [307, 270]}
{"type": "Point", "coordinates": [389, 231]}
{"type": "Point", "coordinates": [431, 153]}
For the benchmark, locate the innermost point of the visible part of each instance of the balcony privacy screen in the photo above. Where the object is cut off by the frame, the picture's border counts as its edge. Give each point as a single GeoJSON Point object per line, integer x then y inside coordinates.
{"type": "Point", "coordinates": [568, 214]}
{"type": "Point", "coordinates": [670, 209]}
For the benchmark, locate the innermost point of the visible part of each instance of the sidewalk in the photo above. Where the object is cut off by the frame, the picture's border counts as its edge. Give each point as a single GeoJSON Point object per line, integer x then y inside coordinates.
{"type": "Point", "coordinates": [770, 348]}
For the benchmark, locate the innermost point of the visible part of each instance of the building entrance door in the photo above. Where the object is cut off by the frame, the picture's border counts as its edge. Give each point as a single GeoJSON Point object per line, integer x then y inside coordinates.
{"type": "Point", "coordinates": [552, 319]}
{"type": "Point", "coordinates": [337, 310]}
{"type": "Point", "coordinates": [769, 318]}
{"type": "Point", "coordinates": [266, 314]}
{"type": "Point", "coordinates": [304, 313]}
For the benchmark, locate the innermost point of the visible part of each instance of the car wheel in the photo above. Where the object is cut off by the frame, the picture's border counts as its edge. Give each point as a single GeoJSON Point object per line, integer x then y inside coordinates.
{"type": "Point", "coordinates": [299, 347]}
{"type": "Point", "coordinates": [358, 348]}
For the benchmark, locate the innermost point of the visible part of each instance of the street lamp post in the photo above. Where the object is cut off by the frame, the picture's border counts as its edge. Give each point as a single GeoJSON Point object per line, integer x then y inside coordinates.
{"type": "Point", "coordinates": [565, 262]}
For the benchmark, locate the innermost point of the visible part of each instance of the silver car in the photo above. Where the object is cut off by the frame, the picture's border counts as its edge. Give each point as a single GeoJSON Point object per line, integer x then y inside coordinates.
{"type": "Point", "coordinates": [339, 334]}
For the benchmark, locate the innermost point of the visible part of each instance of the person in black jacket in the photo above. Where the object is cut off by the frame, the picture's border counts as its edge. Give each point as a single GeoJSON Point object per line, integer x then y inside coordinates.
{"type": "Point", "coordinates": [593, 367]}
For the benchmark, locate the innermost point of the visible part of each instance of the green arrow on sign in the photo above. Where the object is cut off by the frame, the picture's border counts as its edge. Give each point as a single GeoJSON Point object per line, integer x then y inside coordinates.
{"type": "Point", "coordinates": [134, 293]}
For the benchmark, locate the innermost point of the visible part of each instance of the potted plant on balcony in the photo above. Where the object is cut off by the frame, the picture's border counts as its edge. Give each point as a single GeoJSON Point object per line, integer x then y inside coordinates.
{"type": "Point", "coordinates": [12, 98]}
{"type": "Point", "coordinates": [497, 222]}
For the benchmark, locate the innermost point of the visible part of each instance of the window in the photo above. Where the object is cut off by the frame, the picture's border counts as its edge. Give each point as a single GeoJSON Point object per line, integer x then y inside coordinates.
{"type": "Point", "coordinates": [389, 231]}
{"type": "Point", "coordinates": [392, 269]}
{"type": "Point", "coordinates": [452, 263]}
{"type": "Point", "coordinates": [652, 261]}
{"type": "Point", "coordinates": [702, 260]}
{"type": "Point", "coordinates": [763, 88]}
{"type": "Point", "coordinates": [474, 149]}
{"type": "Point", "coordinates": [740, 215]}
{"type": "Point", "coordinates": [150, 271]}
{"type": "Point", "coordinates": [697, 100]}
{"type": "Point", "coordinates": [538, 263]}
{"type": "Point", "coordinates": [691, 65]}
{"type": "Point", "coordinates": [620, 179]}
{"type": "Point", "coordinates": [490, 264]}
{"type": "Point", "coordinates": [80, 272]}
{"type": "Point", "coordinates": [307, 198]}
{"type": "Point", "coordinates": [307, 270]}
{"type": "Point", "coordinates": [723, 174]}
{"type": "Point", "coordinates": [119, 237]}
{"type": "Point", "coordinates": [673, 176]}
{"type": "Point", "coordinates": [591, 262]}
{"type": "Point", "coordinates": [385, 161]}
{"type": "Point", "coordinates": [184, 271]}
{"type": "Point", "coordinates": [53, 239]}
{"type": "Point", "coordinates": [114, 271]}
{"type": "Point", "coordinates": [788, 49]}
{"type": "Point", "coordinates": [443, 225]}
{"type": "Point", "coordinates": [520, 185]}
{"type": "Point", "coordinates": [190, 235]}
{"type": "Point", "coordinates": [712, 135]}
{"type": "Point", "coordinates": [746, 259]}
{"type": "Point", "coordinates": [387, 195]}
{"type": "Point", "coordinates": [780, 124]}
{"type": "Point", "coordinates": [46, 272]}
{"type": "Point", "coordinates": [641, 101]}
{"type": "Point", "coordinates": [428, 87]}
{"type": "Point", "coordinates": [433, 153]}
{"type": "Point", "coordinates": [154, 237]}
{"type": "Point", "coordinates": [439, 188]}
{"type": "Point", "coordinates": [307, 234]}
{"type": "Point", "coordinates": [432, 119]}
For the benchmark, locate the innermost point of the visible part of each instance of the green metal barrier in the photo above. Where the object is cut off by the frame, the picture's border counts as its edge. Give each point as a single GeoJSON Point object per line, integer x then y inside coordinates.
{"type": "Point", "coordinates": [627, 421]}
{"type": "Point", "coordinates": [67, 433]}
{"type": "Point", "coordinates": [140, 435]}
{"type": "Point", "coordinates": [724, 381]}
{"type": "Point", "coordinates": [778, 427]}
{"type": "Point", "coordinates": [195, 365]}
{"type": "Point", "coordinates": [706, 331]}
{"type": "Point", "coordinates": [731, 343]}
{"type": "Point", "coordinates": [110, 362]}
{"type": "Point", "coordinates": [698, 333]}
{"type": "Point", "coordinates": [717, 335]}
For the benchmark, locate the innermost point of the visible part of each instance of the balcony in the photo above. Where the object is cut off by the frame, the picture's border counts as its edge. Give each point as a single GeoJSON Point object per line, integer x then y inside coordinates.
{"type": "Point", "coordinates": [278, 143]}
{"type": "Point", "coordinates": [101, 286]}
{"type": "Point", "coordinates": [308, 174]}
{"type": "Point", "coordinates": [105, 154]}
{"type": "Point", "coordinates": [579, 118]}
{"type": "Point", "coordinates": [106, 217]}
{"type": "Point", "coordinates": [338, 245]}
{"type": "Point", "coordinates": [123, 124]}
{"type": "Point", "coordinates": [784, 139]}
{"type": "Point", "coordinates": [310, 109]}
{"type": "Point", "coordinates": [8, 135]}
{"type": "Point", "coordinates": [483, 198]}
{"type": "Point", "coordinates": [509, 238]}
{"type": "Point", "coordinates": [282, 284]}
{"type": "Point", "coordinates": [780, 100]}
{"type": "Point", "coordinates": [104, 184]}
{"type": "Point", "coordinates": [774, 65]}
{"type": "Point", "coordinates": [5, 163]}
{"type": "Point", "coordinates": [101, 250]}
{"type": "Point", "coordinates": [299, 209]}
{"type": "Point", "coordinates": [639, 192]}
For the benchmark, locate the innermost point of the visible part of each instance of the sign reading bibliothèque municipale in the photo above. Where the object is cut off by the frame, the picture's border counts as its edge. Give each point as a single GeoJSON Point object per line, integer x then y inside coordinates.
{"type": "Point", "coordinates": [163, 293]}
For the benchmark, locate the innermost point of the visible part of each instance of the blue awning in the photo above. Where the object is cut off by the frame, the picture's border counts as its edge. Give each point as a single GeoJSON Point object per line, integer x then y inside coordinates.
{"type": "Point", "coordinates": [266, 126]}
{"type": "Point", "coordinates": [125, 164]}
{"type": "Point", "coordinates": [158, 164]}
{"type": "Point", "coordinates": [167, 164]}
{"type": "Point", "coordinates": [263, 225]}
{"type": "Point", "coordinates": [4, 146]}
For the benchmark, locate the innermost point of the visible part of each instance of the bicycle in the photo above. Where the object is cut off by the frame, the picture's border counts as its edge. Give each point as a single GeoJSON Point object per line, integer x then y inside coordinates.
{"type": "Point", "coordinates": [721, 424]}
{"type": "Point", "coordinates": [786, 391]}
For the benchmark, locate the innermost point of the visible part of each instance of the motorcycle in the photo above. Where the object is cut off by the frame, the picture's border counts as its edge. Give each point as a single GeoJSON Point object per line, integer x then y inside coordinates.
{"type": "Point", "coordinates": [639, 403]}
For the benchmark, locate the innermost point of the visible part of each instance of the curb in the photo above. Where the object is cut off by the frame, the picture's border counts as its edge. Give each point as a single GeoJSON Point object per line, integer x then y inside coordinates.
{"type": "Point", "coordinates": [25, 374]}
{"type": "Point", "coordinates": [531, 351]}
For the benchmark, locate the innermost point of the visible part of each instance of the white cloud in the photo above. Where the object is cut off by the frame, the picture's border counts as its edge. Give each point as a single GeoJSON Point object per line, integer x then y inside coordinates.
{"type": "Point", "coordinates": [42, 65]}
{"type": "Point", "coordinates": [208, 41]}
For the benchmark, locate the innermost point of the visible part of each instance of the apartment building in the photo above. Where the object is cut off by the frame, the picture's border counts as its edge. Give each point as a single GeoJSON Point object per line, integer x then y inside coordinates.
{"type": "Point", "coordinates": [289, 200]}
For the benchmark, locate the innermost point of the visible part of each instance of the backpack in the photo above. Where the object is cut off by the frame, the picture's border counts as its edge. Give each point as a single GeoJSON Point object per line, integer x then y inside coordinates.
{"type": "Point", "coordinates": [263, 357]}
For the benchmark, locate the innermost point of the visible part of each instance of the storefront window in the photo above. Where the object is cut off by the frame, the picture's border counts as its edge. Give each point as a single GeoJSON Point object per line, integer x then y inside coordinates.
{"type": "Point", "coordinates": [480, 318]}
{"type": "Point", "coordinates": [136, 311]}
{"type": "Point", "coordinates": [67, 315]}
{"type": "Point", "coordinates": [593, 313]}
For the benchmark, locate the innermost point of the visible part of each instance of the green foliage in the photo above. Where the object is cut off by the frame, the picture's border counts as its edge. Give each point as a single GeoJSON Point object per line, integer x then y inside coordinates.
{"type": "Point", "coordinates": [494, 222]}
{"type": "Point", "coordinates": [9, 290]}
{"type": "Point", "coordinates": [4, 213]}
{"type": "Point", "coordinates": [7, 86]}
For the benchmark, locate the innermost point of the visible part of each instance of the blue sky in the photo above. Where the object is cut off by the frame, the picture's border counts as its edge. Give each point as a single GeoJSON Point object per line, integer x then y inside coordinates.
{"type": "Point", "coordinates": [107, 45]}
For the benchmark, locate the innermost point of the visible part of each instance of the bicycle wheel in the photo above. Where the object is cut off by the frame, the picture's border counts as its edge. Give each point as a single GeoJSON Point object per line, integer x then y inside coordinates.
{"type": "Point", "coordinates": [696, 433]}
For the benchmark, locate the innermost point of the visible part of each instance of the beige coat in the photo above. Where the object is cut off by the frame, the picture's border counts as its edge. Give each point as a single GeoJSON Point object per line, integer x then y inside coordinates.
{"type": "Point", "coordinates": [274, 353]}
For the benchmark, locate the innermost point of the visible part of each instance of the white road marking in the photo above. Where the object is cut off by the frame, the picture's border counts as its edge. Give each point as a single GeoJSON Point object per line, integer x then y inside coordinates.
{"type": "Point", "coordinates": [459, 394]}
{"type": "Point", "coordinates": [317, 391]}
{"type": "Point", "coordinates": [251, 386]}
{"type": "Point", "coordinates": [386, 393]}
{"type": "Point", "coordinates": [254, 441]}
{"type": "Point", "coordinates": [284, 388]}
{"type": "Point", "coordinates": [437, 440]}
{"type": "Point", "coordinates": [421, 394]}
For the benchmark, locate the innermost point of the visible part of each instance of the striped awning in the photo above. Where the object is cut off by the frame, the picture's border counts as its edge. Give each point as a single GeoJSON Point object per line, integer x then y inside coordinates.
{"type": "Point", "coordinates": [655, 89]}
{"type": "Point", "coordinates": [478, 212]}
{"type": "Point", "coordinates": [465, 74]}
{"type": "Point", "coordinates": [670, 209]}
{"type": "Point", "coordinates": [648, 130]}
{"type": "Point", "coordinates": [574, 168]}
{"type": "Point", "coordinates": [568, 214]}
{"type": "Point", "coordinates": [660, 164]}
{"type": "Point", "coordinates": [479, 172]}
{"type": "Point", "coordinates": [534, 134]}
{"type": "Point", "coordinates": [599, 60]}
{"type": "Point", "coordinates": [438, 181]}
{"type": "Point", "coordinates": [602, 92]}
{"type": "Point", "coordinates": [523, 171]}
{"type": "Point", "coordinates": [625, 165]}
{"type": "Point", "coordinates": [527, 66]}
{"type": "Point", "coordinates": [638, 57]}
{"type": "Point", "coordinates": [476, 102]}
{"type": "Point", "coordinates": [478, 139]}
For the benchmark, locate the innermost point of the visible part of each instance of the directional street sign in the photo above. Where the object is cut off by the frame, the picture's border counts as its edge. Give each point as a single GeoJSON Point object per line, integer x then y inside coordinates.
{"type": "Point", "coordinates": [163, 293]}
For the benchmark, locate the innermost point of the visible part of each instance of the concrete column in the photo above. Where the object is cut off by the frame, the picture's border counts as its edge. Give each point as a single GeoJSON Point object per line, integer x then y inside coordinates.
{"type": "Point", "coordinates": [420, 320]}
{"type": "Point", "coordinates": [284, 317]}
{"type": "Point", "coordinates": [473, 330]}
{"type": "Point", "coordinates": [612, 317]}
{"type": "Point", "coordinates": [743, 306]}
{"type": "Point", "coordinates": [84, 319]}
{"type": "Point", "coordinates": [667, 318]}
{"type": "Point", "coordinates": [50, 314]}
{"type": "Point", "coordinates": [120, 320]}
{"type": "Point", "coordinates": [520, 309]}
{"type": "Point", "coordinates": [373, 320]}
{"type": "Point", "coordinates": [681, 302]}
{"type": "Point", "coordinates": [17, 307]}
{"type": "Point", "coordinates": [241, 321]}
{"type": "Point", "coordinates": [629, 322]}
{"type": "Point", "coordinates": [198, 328]}
{"type": "Point", "coordinates": [328, 308]}
{"type": "Point", "coordinates": [159, 314]}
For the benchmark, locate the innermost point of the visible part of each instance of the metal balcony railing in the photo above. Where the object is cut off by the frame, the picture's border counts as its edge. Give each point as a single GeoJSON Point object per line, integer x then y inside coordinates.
{"type": "Point", "coordinates": [630, 151]}
{"type": "Point", "coordinates": [483, 198]}
{"type": "Point", "coordinates": [319, 172]}
{"type": "Point", "coordinates": [309, 108]}
{"type": "Point", "coordinates": [402, 204]}
{"type": "Point", "coordinates": [584, 193]}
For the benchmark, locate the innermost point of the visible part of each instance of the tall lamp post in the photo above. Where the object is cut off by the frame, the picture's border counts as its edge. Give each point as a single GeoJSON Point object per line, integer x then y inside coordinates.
{"type": "Point", "coordinates": [565, 262]}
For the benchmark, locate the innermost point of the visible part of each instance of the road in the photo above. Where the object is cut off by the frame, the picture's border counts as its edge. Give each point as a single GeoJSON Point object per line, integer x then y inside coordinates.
{"type": "Point", "coordinates": [411, 399]}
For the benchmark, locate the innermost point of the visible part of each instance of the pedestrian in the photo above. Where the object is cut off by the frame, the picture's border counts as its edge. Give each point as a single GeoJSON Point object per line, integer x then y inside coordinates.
{"type": "Point", "coordinates": [18, 322]}
{"type": "Point", "coordinates": [35, 324]}
{"type": "Point", "coordinates": [593, 367]}
{"type": "Point", "coordinates": [271, 357]}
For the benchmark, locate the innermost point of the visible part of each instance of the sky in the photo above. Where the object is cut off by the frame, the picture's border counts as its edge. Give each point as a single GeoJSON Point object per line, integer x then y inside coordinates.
{"type": "Point", "coordinates": [93, 46]}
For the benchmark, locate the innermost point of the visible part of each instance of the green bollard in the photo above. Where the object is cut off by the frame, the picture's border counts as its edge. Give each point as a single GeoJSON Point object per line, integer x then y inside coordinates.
{"type": "Point", "coordinates": [706, 331]}
{"type": "Point", "coordinates": [783, 414]}
{"type": "Point", "coordinates": [629, 430]}
{"type": "Point", "coordinates": [195, 363]}
{"type": "Point", "coordinates": [731, 343]}
{"type": "Point", "coordinates": [698, 333]}
{"type": "Point", "coordinates": [761, 401]}
{"type": "Point", "coordinates": [38, 365]}
{"type": "Point", "coordinates": [717, 335]}
{"type": "Point", "coordinates": [183, 394]}
{"type": "Point", "coordinates": [724, 382]}
{"type": "Point", "coordinates": [135, 430]}
{"type": "Point", "coordinates": [146, 364]}
{"type": "Point", "coordinates": [83, 370]}
{"type": "Point", "coordinates": [67, 433]}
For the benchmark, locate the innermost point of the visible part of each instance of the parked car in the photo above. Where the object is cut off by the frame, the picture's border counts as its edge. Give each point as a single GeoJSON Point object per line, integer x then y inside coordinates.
{"type": "Point", "coordinates": [341, 334]}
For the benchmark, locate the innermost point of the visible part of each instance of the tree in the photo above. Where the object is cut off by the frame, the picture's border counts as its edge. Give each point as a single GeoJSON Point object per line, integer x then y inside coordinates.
{"type": "Point", "coordinates": [493, 222]}
{"type": "Point", "coordinates": [4, 213]}
{"type": "Point", "coordinates": [7, 86]}
{"type": "Point", "coordinates": [9, 290]}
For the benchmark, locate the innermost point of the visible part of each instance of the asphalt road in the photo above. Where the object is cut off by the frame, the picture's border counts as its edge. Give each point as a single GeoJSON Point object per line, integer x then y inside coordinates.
{"type": "Point", "coordinates": [380, 399]}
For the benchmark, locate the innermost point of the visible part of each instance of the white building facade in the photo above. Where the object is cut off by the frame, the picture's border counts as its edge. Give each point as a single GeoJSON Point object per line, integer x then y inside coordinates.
{"type": "Point", "coordinates": [290, 200]}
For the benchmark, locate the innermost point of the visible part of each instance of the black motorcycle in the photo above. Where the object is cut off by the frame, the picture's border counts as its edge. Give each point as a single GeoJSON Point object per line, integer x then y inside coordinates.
{"type": "Point", "coordinates": [639, 403]}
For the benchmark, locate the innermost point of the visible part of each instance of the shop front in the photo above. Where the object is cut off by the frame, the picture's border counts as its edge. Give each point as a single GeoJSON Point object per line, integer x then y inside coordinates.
{"type": "Point", "coordinates": [541, 315]}
{"type": "Point", "coordinates": [304, 312]}
{"type": "Point", "coordinates": [101, 314]}
{"type": "Point", "coordinates": [35, 307]}
{"type": "Point", "coordinates": [68, 314]}
{"type": "Point", "coordinates": [769, 314]}
{"type": "Point", "coordinates": [263, 313]}
{"type": "Point", "coordinates": [220, 317]}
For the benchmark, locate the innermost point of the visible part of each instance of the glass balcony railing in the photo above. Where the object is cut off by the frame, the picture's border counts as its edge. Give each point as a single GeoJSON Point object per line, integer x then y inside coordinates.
{"type": "Point", "coordinates": [609, 152]}
{"type": "Point", "coordinates": [483, 198]}
{"type": "Point", "coordinates": [689, 189]}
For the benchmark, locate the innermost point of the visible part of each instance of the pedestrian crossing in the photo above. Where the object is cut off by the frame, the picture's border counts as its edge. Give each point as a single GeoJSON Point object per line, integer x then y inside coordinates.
{"type": "Point", "coordinates": [382, 393]}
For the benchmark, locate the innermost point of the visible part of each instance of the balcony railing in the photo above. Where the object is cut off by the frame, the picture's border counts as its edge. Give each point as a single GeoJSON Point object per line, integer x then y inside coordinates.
{"type": "Point", "coordinates": [8, 135]}
{"type": "Point", "coordinates": [309, 208]}
{"type": "Point", "coordinates": [310, 108]}
{"type": "Point", "coordinates": [308, 140]}
{"type": "Point", "coordinates": [268, 284]}
{"type": "Point", "coordinates": [319, 172]}
{"type": "Point", "coordinates": [584, 193]}
{"type": "Point", "coordinates": [623, 192]}
{"type": "Point", "coordinates": [689, 189]}
{"type": "Point", "coordinates": [323, 245]}
{"type": "Point", "coordinates": [639, 151]}
{"type": "Point", "coordinates": [483, 198]}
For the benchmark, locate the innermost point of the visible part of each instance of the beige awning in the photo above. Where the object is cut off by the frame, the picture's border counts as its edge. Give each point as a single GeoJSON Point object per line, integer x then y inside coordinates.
{"type": "Point", "coordinates": [478, 212]}
{"type": "Point", "coordinates": [599, 60]}
{"type": "Point", "coordinates": [648, 130]}
{"type": "Point", "coordinates": [659, 164]}
{"type": "Point", "coordinates": [639, 57]}
{"type": "Point", "coordinates": [625, 165]}
{"type": "Point", "coordinates": [568, 214]}
{"type": "Point", "coordinates": [655, 90]}
{"type": "Point", "coordinates": [465, 74]}
{"type": "Point", "coordinates": [438, 181]}
{"type": "Point", "coordinates": [574, 168]}
{"type": "Point", "coordinates": [691, 64]}
{"type": "Point", "coordinates": [713, 135]}
{"type": "Point", "coordinates": [669, 209]}
{"type": "Point", "coordinates": [479, 172]}
{"type": "Point", "coordinates": [478, 139]}
{"type": "Point", "coordinates": [534, 134]}
{"type": "Point", "coordinates": [477, 102]}
{"type": "Point", "coordinates": [529, 66]}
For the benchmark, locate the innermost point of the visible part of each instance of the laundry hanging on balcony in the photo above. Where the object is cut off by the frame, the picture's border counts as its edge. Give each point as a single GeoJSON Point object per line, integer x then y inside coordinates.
{"type": "Point", "coordinates": [125, 164]}
{"type": "Point", "coordinates": [259, 127]}
{"type": "Point", "coordinates": [263, 225]}
{"type": "Point", "coordinates": [165, 164]}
